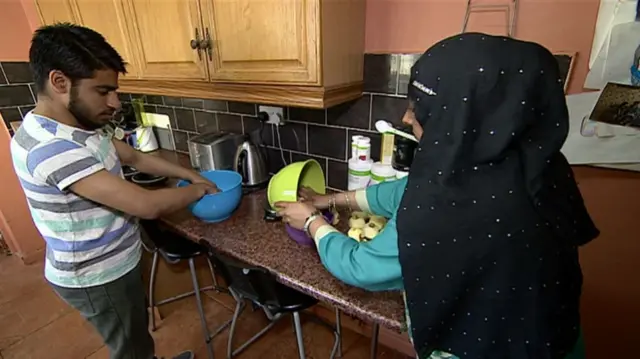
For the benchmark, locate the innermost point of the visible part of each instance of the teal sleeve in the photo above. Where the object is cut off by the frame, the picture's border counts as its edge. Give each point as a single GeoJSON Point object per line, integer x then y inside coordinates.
{"type": "Point", "coordinates": [384, 198]}
{"type": "Point", "coordinates": [372, 265]}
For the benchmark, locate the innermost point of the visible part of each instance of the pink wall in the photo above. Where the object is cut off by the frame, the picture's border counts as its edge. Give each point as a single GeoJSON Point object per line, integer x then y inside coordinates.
{"type": "Point", "coordinates": [414, 25]}
{"type": "Point", "coordinates": [402, 26]}
{"type": "Point", "coordinates": [15, 219]}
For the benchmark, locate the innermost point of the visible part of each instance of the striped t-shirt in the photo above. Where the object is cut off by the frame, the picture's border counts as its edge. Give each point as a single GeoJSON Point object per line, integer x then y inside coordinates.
{"type": "Point", "coordinates": [88, 244]}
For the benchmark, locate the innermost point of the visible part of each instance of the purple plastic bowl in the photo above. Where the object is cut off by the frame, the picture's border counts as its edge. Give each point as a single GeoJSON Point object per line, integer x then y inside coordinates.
{"type": "Point", "coordinates": [300, 237]}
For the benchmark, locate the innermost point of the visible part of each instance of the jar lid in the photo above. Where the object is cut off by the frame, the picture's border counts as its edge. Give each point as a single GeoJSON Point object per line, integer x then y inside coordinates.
{"type": "Point", "coordinates": [383, 170]}
{"type": "Point", "coordinates": [364, 140]}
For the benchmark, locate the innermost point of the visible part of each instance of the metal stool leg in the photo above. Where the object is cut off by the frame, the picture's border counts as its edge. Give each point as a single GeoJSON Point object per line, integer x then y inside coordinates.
{"type": "Point", "coordinates": [374, 341]}
{"type": "Point", "coordinates": [203, 321]}
{"type": "Point", "coordinates": [298, 327]}
{"type": "Point", "coordinates": [234, 321]}
{"type": "Point", "coordinates": [152, 284]}
{"type": "Point", "coordinates": [213, 275]}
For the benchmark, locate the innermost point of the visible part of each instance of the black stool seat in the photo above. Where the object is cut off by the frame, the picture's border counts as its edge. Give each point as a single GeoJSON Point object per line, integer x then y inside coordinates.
{"type": "Point", "coordinates": [174, 247]}
{"type": "Point", "coordinates": [290, 300]}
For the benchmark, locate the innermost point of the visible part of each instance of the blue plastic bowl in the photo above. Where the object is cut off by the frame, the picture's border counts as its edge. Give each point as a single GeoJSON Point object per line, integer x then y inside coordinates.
{"type": "Point", "coordinates": [214, 208]}
{"type": "Point", "coordinates": [635, 76]}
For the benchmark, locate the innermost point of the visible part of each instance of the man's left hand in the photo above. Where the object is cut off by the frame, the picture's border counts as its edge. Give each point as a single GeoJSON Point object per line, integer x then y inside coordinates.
{"type": "Point", "coordinates": [198, 179]}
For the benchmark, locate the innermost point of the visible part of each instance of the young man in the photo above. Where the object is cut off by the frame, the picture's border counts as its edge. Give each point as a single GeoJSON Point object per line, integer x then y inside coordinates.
{"type": "Point", "coordinates": [71, 175]}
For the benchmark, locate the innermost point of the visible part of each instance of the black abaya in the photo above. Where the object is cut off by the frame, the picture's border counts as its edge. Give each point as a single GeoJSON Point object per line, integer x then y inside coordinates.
{"type": "Point", "coordinates": [492, 217]}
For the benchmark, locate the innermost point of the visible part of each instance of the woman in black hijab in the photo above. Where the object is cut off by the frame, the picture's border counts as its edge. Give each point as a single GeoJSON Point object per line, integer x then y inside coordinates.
{"type": "Point", "coordinates": [491, 219]}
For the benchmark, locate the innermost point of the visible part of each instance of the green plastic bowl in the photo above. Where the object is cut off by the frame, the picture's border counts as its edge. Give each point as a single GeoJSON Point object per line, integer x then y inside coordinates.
{"type": "Point", "coordinates": [284, 185]}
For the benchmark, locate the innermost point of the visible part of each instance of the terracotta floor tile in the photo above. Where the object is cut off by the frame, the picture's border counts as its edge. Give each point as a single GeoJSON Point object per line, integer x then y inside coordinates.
{"type": "Point", "coordinates": [35, 324]}
{"type": "Point", "coordinates": [223, 298]}
{"type": "Point", "coordinates": [181, 330]}
{"type": "Point", "coordinates": [29, 313]}
{"type": "Point", "coordinates": [361, 350]}
{"type": "Point", "coordinates": [102, 353]}
{"type": "Point", "coordinates": [68, 337]}
{"type": "Point", "coordinates": [17, 279]}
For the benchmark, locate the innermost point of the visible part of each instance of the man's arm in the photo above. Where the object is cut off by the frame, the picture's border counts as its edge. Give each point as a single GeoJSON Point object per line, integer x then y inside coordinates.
{"type": "Point", "coordinates": [154, 165]}
{"type": "Point", "coordinates": [114, 192]}
{"type": "Point", "coordinates": [69, 166]}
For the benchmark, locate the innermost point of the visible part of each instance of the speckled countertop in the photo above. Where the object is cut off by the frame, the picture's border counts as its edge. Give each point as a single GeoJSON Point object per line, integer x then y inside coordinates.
{"type": "Point", "coordinates": [248, 237]}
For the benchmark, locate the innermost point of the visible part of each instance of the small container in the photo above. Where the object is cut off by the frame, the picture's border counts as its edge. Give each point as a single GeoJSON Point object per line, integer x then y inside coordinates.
{"type": "Point", "coordinates": [401, 174]}
{"type": "Point", "coordinates": [354, 146]}
{"type": "Point", "coordinates": [364, 148]}
{"type": "Point", "coordinates": [382, 173]}
{"type": "Point", "coordinates": [301, 237]}
{"type": "Point", "coordinates": [386, 148]}
{"type": "Point", "coordinates": [403, 153]}
{"type": "Point", "coordinates": [359, 174]}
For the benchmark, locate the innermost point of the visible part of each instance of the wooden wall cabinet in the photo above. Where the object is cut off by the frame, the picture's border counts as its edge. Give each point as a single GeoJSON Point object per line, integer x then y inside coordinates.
{"type": "Point", "coordinates": [306, 53]}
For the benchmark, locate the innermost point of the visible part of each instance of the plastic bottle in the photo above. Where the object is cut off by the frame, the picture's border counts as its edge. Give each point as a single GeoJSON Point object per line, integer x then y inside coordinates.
{"type": "Point", "coordinates": [354, 146]}
{"type": "Point", "coordinates": [364, 148]}
{"type": "Point", "coordinates": [382, 173]}
{"type": "Point", "coordinates": [359, 174]}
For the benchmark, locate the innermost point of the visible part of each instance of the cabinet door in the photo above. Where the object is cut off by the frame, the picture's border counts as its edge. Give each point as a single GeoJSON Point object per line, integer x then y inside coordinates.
{"type": "Point", "coordinates": [264, 41]}
{"type": "Point", "coordinates": [163, 31]}
{"type": "Point", "coordinates": [52, 11]}
{"type": "Point", "coordinates": [104, 16]}
{"type": "Point", "coordinates": [107, 18]}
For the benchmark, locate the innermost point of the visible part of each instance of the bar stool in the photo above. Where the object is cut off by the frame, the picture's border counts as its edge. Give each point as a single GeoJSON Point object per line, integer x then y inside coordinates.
{"type": "Point", "coordinates": [259, 286]}
{"type": "Point", "coordinates": [174, 248]}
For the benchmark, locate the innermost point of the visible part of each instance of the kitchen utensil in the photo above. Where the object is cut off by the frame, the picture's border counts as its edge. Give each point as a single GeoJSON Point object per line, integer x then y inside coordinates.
{"type": "Point", "coordinates": [385, 127]}
{"type": "Point", "coordinates": [129, 172]}
{"type": "Point", "coordinates": [403, 152]}
{"type": "Point", "coordinates": [270, 214]}
{"type": "Point", "coordinates": [214, 208]}
{"type": "Point", "coordinates": [300, 236]}
{"type": "Point", "coordinates": [251, 164]}
{"type": "Point", "coordinates": [214, 150]}
{"type": "Point", "coordinates": [284, 185]}
{"type": "Point", "coordinates": [145, 179]}
{"type": "Point", "coordinates": [145, 139]}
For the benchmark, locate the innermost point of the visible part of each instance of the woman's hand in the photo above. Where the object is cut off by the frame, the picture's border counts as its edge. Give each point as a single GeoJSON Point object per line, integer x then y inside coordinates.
{"type": "Point", "coordinates": [308, 195]}
{"type": "Point", "coordinates": [295, 213]}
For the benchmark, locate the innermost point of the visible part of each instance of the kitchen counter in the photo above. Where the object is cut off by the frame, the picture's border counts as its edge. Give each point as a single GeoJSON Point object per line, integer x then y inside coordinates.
{"type": "Point", "coordinates": [246, 236]}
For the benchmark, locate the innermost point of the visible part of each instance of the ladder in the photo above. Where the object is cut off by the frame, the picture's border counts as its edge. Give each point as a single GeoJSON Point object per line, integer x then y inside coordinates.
{"type": "Point", "coordinates": [511, 10]}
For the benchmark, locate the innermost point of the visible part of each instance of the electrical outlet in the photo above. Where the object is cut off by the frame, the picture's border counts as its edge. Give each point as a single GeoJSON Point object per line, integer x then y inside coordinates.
{"type": "Point", "coordinates": [276, 114]}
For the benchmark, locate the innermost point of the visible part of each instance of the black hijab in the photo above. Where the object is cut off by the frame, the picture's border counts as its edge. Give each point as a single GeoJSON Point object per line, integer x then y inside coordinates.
{"type": "Point", "coordinates": [492, 217]}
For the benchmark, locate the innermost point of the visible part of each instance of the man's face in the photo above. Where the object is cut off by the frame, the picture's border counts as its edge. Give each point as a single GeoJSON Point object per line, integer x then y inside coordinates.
{"type": "Point", "coordinates": [93, 102]}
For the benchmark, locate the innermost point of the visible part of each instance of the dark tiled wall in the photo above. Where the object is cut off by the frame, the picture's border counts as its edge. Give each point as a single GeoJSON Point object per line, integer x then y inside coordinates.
{"type": "Point", "coordinates": [323, 135]}
{"type": "Point", "coordinates": [16, 92]}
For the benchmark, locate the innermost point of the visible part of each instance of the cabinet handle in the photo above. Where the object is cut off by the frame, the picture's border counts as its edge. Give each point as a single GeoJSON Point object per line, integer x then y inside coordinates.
{"type": "Point", "coordinates": [208, 44]}
{"type": "Point", "coordinates": [196, 44]}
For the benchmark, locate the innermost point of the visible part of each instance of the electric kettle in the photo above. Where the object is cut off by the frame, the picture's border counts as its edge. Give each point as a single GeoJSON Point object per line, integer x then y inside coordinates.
{"type": "Point", "coordinates": [250, 163]}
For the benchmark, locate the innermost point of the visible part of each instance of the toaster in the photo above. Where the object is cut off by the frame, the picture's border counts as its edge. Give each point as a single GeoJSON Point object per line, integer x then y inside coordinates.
{"type": "Point", "coordinates": [214, 150]}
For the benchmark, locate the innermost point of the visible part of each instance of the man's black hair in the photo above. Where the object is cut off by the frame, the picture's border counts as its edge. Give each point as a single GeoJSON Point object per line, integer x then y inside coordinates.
{"type": "Point", "coordinates": [74, 50]}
